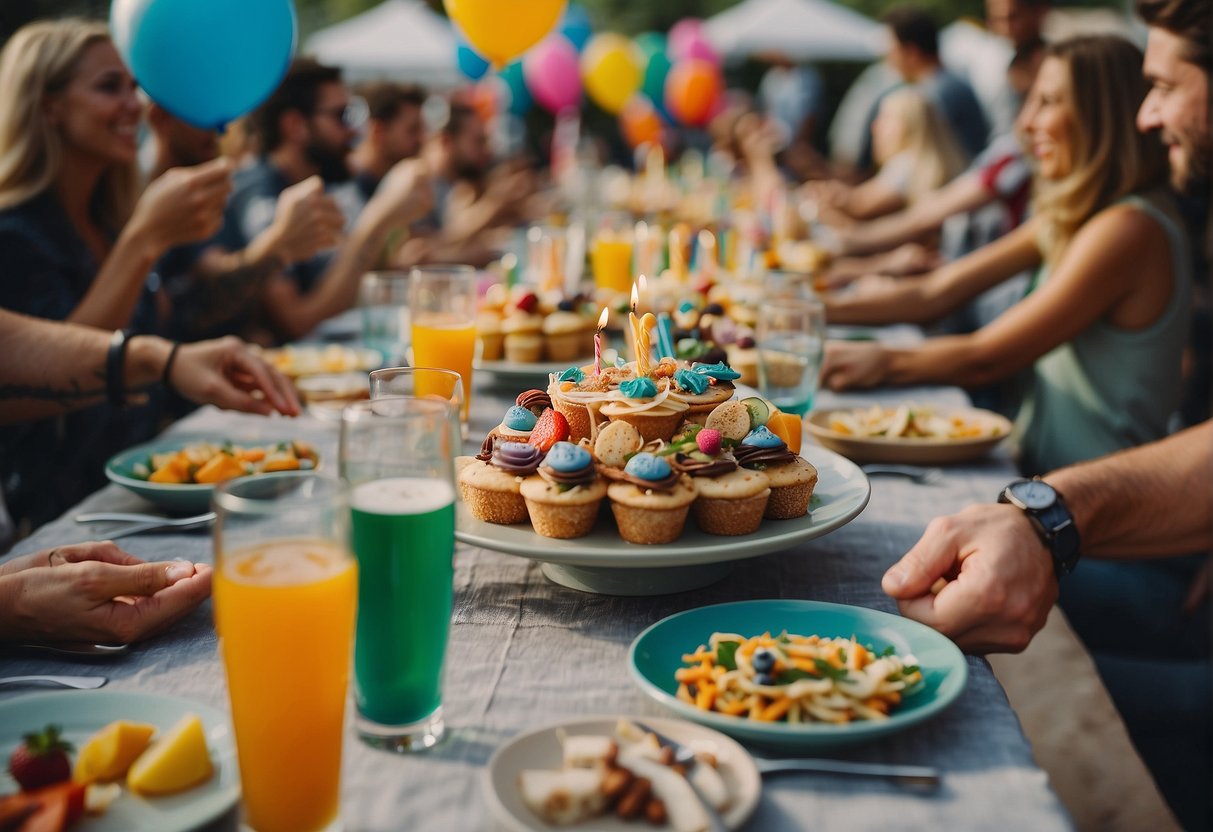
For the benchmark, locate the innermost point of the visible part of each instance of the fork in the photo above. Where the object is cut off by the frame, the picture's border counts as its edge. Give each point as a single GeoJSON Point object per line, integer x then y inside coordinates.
{"type": "Point", "coordinates": [685, 757]}
{"type": "Point", "coordinates": [915, 473]}
{"type": "Point", "coordinates": [147, 522]}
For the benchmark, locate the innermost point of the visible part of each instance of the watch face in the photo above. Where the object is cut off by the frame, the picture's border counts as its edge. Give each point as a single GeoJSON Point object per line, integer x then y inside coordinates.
{"type": "Point", "coordinates": [1034, 494]}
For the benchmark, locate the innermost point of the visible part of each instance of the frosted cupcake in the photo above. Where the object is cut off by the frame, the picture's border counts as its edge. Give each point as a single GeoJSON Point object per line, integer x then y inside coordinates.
{"type": "Point", "coordinates": [516, 425]}
{"type": "Point", "coordinates": [579, 394]}
{"type": "Point", "coordinates": [492, 486]}
{"type": "Point", "coordinates": [564, 335]}
{"type": "Point", "coordinates": [492, 339]}
{"type": "Point", "coordinates": [792, 478]}
{"type": "Point", "coordinates": [563, 500]}
{"type": "Point", "coordinates": [649, 499]}
{"type": "Point", "coordinates": [731, 500]}
{"type": "Point", "coordinates": [646, 405]}
{"type": "Point", "coordinates": [523, 337]}
{"type": "Point", "coordinates": [701, 389]}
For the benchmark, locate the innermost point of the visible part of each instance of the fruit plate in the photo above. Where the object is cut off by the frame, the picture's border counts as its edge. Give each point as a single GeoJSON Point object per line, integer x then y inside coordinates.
{"type": "Point", "coordinates": [524, 370]}
{"type": "Point", "coordinates": [540, 749]}
{"type": "Point", "coordinates": [657, 653]}
{"type": "Point", "coordinates": [298, 360]}
{"type": "Point", "coordinates": [912, 450]}
{"type": "Point", "coordinates": [605, 563]}
{"type": "Point", "coordinates": [83, 713]}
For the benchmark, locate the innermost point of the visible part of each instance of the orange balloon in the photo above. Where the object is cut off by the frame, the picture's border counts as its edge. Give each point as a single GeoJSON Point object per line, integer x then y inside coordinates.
{"type": "Point", "coordinates": [639, 122]}
{"type": "Point", "coordinates": [691, 91]}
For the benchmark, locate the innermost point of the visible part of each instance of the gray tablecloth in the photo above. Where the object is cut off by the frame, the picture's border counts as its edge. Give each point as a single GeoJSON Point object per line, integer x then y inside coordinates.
{"type": "Point", "coordinates": [525, 652]}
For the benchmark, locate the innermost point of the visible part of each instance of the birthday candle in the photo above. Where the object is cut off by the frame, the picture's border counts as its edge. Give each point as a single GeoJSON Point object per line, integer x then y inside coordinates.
{"type": "Point", "coordinates": [645, 350]}
{"type": "Point", "coordinates": [665, 336]}
{"type": "Point", "coordinates": [634, 327]}
{"type": "Point", "coordinates": [707, 254]}
{"type": "Point", "coordinates": [602, 322]}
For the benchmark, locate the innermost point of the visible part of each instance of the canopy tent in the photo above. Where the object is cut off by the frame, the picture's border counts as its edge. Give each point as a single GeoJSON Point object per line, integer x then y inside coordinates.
{"type": "Point", "coordinates": [801, 30]}
{"type": "Point", "coordinates": [398, 39]}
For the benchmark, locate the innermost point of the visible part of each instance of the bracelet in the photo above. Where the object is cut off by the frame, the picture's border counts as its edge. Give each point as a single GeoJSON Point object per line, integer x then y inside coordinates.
{"type": "Point", "coordinates": [168, 368]}
{"type": "Point", "coordinates": [115, 375]}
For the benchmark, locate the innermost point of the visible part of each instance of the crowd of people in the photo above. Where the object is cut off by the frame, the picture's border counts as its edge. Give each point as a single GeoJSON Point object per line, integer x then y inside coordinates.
{"type": "Point", "coordinates": [1075, 197]}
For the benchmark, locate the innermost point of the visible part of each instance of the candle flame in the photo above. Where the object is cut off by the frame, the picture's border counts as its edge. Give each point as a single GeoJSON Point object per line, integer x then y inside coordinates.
{"type": "Point", "coordinates": [602, 319]}
{"type": "Point", "coordinates": [635, 297]}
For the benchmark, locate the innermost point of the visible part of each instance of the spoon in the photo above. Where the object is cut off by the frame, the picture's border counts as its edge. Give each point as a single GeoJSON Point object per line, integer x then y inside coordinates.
{"type": "Point", "coordinates": [77, 682]}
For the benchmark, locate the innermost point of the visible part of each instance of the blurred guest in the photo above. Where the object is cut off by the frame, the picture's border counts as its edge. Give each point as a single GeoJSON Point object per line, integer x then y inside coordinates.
{"type": "Point", "coordinates": [1105, 324]}
{"type": "Point", "coordinates": [1019, 23]}
{"type": "Point", "coordinates": [793, 96]}
{"type": "Point", "coordinates": [394, 131]}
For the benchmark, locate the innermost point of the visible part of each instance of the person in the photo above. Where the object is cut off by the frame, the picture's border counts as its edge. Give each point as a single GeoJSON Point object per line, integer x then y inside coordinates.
{"type": "Point", "coordinates": [793, 95]}
{"type": "Point", "coordinates": [1150, 504]}
{"type": "Point", "coordinates": [1104, 328]}
{"type": "Point", "coordinates": [1020, 23]}
{"type": "Point", "coordinates": [303, 132]}
{"type": "Point", "coordinates": [394, 131]}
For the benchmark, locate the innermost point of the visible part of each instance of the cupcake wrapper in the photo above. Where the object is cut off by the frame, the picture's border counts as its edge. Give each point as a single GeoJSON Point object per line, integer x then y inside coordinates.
{"type": "Point", "coordinates": [501, 507]}
{"type": "Point", "coordinates": [790, 501]}
{"type": "Point", "coordinates": [563, 522]}
{"type": "Point", "coordinates": [564, 347]}
{"type": "Point", "coordinates": [526, 354]}
{"type": "Point", "coordinates": [731, 517]}
{"type": "Point", "coordinates": [649, 526]}
{"type": "Point", "coordinates": [491, 347]}
{"type": "Point", "coordinates": [578, 417]}
{"type": "Point", "coordinates": [652, 427]}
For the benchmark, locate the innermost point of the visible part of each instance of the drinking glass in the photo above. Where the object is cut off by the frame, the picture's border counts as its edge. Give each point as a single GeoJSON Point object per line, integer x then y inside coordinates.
{"type": "Point", "coordinates": [547, 253]}
{"type": "Point", "coordinates": [442, 303]}
{"type": "Point", "coordinates": [396, 455]}
{"type": "Point", "coordinates": [424, 382]}
{"type": "Point", "coordinates": [383, 297]}
{"type": "Point", "coordinates": [780, 284]}
{"type": "Point", "coordinates": [611, 253]}
{"type": "Point", "coordinates": [285, 588]}
{"type": "Point", "coordinates": [790, 335]}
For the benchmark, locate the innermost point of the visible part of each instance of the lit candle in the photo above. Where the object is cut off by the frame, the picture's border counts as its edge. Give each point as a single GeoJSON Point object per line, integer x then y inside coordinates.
{"type": "Point", "coordinates": [634, 327]}
{"type": "Point", "coordinates": [645, 351]}
{"type": "Point", "coordinates": [602, 322]}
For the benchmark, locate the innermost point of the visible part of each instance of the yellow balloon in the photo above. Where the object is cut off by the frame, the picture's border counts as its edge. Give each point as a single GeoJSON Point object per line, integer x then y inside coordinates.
{"type": "Point", "coordinates": [612, 69]}
{"type": "Point", "coordinates": [501, 30]}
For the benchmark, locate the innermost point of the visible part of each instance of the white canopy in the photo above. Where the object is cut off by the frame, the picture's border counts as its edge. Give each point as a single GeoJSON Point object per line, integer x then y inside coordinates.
{"type": "Point", "coordinates": [802, 30]}
{"type": "Point", "coordinates": [398, 39]}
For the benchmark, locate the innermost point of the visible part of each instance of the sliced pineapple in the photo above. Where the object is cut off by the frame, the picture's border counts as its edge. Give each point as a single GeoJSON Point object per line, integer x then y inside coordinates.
{"type": "Point", "coordinates": [178, 761]}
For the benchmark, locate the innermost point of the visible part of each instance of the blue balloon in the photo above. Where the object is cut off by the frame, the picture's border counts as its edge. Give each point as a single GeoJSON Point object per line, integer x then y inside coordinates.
{"type": "Point", "coordinates": [520, 97]}
{"type": "Point", "coordinates": [576, 26]}
{"type": "Point", "coordinates": [470, 62]}
{"type": "Point", "coordinates": [210, 62]}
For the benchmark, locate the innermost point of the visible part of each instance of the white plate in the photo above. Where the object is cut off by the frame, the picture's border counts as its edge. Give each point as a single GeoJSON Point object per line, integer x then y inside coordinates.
{"type": "Point", "coordinates": [82, 713]}
{"type": "Point", "coordinates": [540, 749]}
{"type": "Point", "coordinates": [912, 450]}
{"type": "Point", "coordinates": [510, 370]}
{"type": "Point", "coordinates": [604, 562]}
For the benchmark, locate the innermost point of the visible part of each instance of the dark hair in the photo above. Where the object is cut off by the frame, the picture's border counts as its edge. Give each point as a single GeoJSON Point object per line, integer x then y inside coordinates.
{"type": "Point", "coordinates": [461, 115]}
{"type": "Point", "coordinates": [1025, 53]}
{"type": "Point", "coordinates": [298, 91]}
{"type": "Point", "coordinates": [1187, 20]}
{"type": "Point", "coordinates": [914, 27]}
{"type": "Point", "coordinates": [385, 99]}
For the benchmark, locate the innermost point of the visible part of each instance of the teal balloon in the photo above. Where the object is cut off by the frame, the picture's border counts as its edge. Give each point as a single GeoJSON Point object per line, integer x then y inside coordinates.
{"type": "Point", "coordinates": [650, 43]}
{"type": "Point", "coordinates": [575, 25]}
{"type": "Point", "coordinates": [520, 97]}
{"type": "Point", "coordinates": [207, 62]}
{"type": "Point", "coordinates": [470, 62]}
{"type": "Point", "coordinates": [655, 73]}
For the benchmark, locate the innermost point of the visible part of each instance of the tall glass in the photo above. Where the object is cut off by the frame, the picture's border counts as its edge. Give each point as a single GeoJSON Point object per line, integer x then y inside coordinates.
{"type": "Point", "coordinates": [442, 302]}
{"type": "Point", "coordinates": [396, 455]}
{"type": "Point", "coordinates": [547, 253]}
{"type": "Point", "coordinates": [422, 383]}
{"type": "Point", "coordinates": [611, 253]}
{"type": "Point", "coordinates": [285, 589]}
{"type": "Point", "coordinates": [383, 298]}
{"type": "Point", "coordinates": [778, 284]}
{"type": "Point", "coordinates": [791, 335]}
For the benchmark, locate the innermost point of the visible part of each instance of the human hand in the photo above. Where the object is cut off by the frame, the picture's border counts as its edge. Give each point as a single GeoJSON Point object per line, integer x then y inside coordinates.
{"type": "Point", "coordinates": [306, 220]}
{"type": "Point", "coordinates": [97, 593]}
{"type": "Point", "coordinates": [910, 258]}
{"type": "Point", "coordinates": [1000, 583]}
{"type": "Point", "coordinates": [848, 365]}
{"type": "Point", "coordinates": [404, 195]}
{"type": "Point", "coordinates": [183, 205]}
{"type": "Point", "coordinates": [225, 372]}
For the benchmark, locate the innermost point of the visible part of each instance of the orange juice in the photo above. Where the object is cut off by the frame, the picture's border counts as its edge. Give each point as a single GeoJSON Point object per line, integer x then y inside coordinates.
{"type": "Point", "coordinates": [611, 263]}
{"type": "Point", "coordinates": [284, 610]}
{"type": "Point", "coordinates": [445, 341]}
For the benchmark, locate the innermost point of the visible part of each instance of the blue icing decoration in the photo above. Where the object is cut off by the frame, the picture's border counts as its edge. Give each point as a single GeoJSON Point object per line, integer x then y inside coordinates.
{"type": "Point", "coordinates": [573, 374]}
{"type": "Point", "coordinates": [760, 437]}
{"type": "Point", "coordinates": [719, 371]}
{"type": "Point", "coordinates": [639, 388]}
{"type": "Point", "coordinates": [648, 467]}
{"type": "Point", "coordinates": [620, 362]}
{"type": "Point", "coordinates": [567, 458]}
{"type": "Point", "coordinates": [519, 418]}
{"type": "Point", "coordinates": [695, 383]}
{"type": "Point", "coordinates": [686, 306]}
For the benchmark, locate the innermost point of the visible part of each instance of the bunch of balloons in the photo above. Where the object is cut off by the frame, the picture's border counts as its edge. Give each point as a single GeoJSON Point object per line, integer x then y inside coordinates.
{"type": "Point", "coordinates": [681, 83]}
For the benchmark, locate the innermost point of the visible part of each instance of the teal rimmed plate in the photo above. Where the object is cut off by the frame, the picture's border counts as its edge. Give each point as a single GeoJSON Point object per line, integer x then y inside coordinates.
{"type": "Point", "coordinates": [657, 653]}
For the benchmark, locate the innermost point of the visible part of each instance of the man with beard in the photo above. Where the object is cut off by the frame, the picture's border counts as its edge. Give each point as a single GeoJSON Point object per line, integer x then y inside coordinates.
{"type": "Point", "coordinates": [304, 133]}
{"type": "Point", "coordinates": [987, 577]}
{"type": "Point", "coordinates": [394, 131]}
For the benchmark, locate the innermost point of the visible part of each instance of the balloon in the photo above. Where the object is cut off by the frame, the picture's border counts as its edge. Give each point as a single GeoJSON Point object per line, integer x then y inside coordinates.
{"type": "Point", "coordinates": [519, 97]}
{"type": "Point", "coordinates": [612, 69]}
{"type": "Point", "coordinates": [682, 34]}
{"type": "Point", "coordinates": [206, 63]}
{"type": "Point", "coordinates": [639, 122]}
{"type": "Point", "coordinates": [691, 91]}
{"type": "Point", "coordinates": [698, 48]}
{"type": "Point", "coordinates": [470, 62]}
{"type": "Point", "coordinates": [501, 30]}
{"type": "Point", "coordinates": [650, 43]}
{"type": "Point", "coordinates": [550, 70]}
{"type": "Point", "coordinates": [576, 26]}
{"type": "Point", "coordinates": [654, 76]}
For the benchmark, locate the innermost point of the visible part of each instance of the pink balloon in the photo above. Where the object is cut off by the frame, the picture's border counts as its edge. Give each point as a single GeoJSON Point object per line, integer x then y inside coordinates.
{"type": "Point", "coordinates": [553, 74]}
{"type": "Point", "coordinates": [681, 34]}
{"type": "Point", "coordinates": [698, 48]}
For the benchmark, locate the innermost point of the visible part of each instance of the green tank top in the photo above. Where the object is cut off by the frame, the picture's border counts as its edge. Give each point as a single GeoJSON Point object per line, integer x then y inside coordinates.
{"type": "Point", "coordinates": [1109, 388]}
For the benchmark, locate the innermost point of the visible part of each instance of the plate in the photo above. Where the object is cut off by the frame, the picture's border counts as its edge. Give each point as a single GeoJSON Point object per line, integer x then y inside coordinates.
{"type": "Point", "coordinates": [516, 370]}
{"type": "Point", "coordinates": [604, 562]}
{"type": "Point", "coordinates": [185, 498]}
{"type": "Point", "coordinates": [541, 749]}
{"type": "Point", "coordinates": [295, 361]}
{"type": "Point", "coordinates": [657, 653]}
{"type": "Point", "coordinates": [910, 450]}
{"type": "Point", "coordinates": [83, 713]}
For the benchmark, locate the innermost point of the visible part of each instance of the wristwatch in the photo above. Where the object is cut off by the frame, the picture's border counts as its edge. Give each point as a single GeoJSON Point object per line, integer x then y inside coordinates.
{"type": "Point", "coordinates": [1050, 517]}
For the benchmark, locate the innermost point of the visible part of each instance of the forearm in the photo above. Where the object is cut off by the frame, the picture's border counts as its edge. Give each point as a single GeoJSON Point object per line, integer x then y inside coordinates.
{"type": "Point", "coordinates": [924, 217]}
{"type": "Point", "coordinates": [228, 284]}
{"type": "Point", "coordinates": [961, 360]}
{"type": "Point", "coordinates": [110, 300]}
{"type": "Point", "coordinates": [1152, 501]}
{"type": "Point", "coordinates": [904, 301]}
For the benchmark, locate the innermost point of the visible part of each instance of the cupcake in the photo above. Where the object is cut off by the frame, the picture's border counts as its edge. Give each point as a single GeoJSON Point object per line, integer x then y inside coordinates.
{"type": "Point", "coordinates": [563, 334]}
{"type": "Point", "coordinates": [701, 391]}
{"type": "Point", "coordinates": [492, 486]}
{"type": "Point", "coordinates": [731, 500]}
{"type": "Point", "coordinates": [492, 339]}
{"type": "Point", "coordinates": [579, 397]}
{"type": "Point", "coordinates": [563, 500]}
{"type": "Point", "coordinates": [516, 425]}
{"type": "Point", "coordinates": [743, 357]}
{"type": "Point", "coordinates": [792, 478]}
{"type": "Point", "coordinates": [649, 499]}
{"type": "Point", "coordinates": [646, 405]}
{"type": "Point", "coordinates": [523, 337]}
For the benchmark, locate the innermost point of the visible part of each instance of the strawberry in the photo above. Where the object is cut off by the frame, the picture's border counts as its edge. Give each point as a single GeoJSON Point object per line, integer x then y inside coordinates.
{"type": "Point", "coordinates": [551, 428]}
{"type": "Point", "coordinates": [709, 441]}
{"type": "Point", "coordinates": [528, 303]}
{"type": "Point", "coordinates": [41, 760]}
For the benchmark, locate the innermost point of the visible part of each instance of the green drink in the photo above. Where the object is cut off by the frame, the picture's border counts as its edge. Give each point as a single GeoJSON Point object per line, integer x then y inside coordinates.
{"type": "Point", "coordinates": [403, 533]}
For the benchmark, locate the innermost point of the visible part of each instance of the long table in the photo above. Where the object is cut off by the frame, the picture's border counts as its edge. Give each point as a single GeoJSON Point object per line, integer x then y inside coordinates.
{"type": "Point", "coordinates": [525, 652]}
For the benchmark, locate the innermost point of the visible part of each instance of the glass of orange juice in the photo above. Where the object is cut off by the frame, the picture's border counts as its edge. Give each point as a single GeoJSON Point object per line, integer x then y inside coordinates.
{"type": "Point", "coordinates": [611, 253]}
{"type": "Point", "coordinates": [442, 305]}
{"type": "Point", "coordinates": [285, 592]}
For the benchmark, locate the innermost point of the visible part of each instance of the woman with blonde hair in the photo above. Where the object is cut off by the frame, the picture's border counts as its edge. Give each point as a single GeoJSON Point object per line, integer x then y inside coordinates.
{"type": "Point", "coordinates": [1104, 324]}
